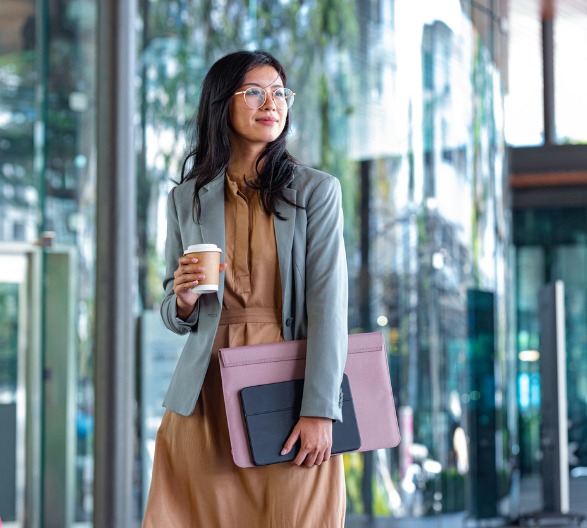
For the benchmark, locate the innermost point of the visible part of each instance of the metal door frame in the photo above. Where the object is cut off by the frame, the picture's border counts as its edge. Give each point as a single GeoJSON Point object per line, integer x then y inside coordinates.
{"type": "Point", "coordinates": [29, 384]}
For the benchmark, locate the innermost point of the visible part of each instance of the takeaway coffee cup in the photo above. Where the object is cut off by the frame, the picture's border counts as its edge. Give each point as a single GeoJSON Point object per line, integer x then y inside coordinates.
{"type": "Point", "coordinates": [208, 256]}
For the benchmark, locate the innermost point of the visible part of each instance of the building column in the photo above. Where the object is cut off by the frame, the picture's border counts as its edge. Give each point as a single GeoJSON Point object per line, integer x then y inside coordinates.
{"type": "Point", "coordinates": [115, 272]}
{"type": "Point", "coordinates": [548, 71]}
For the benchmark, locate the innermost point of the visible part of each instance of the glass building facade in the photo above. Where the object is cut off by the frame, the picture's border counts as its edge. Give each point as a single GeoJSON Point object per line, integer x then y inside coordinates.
{"type": "Point", "coordinates": [524, 105]}
{"type": "Point", "coordinates": [550, 246]}
{"type": "Point", "coordinates": [402, 103]}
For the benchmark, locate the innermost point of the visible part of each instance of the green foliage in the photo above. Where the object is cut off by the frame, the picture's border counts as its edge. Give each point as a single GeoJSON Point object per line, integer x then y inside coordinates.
{"type": "Point", "coordinates": [451, 484]}
{"type": "Point", "coordinates": [353, 470]}
{"type": "Point", "coordinates": [180, 42]}
{"type": "Point", "coordinates": [21, 64]}
{"type": "Point", "coordinates": [155, 272]}
{"type": "Point", "coordinates": [380, 502]}
{"type": "Point", "coordinates": [8, 336]}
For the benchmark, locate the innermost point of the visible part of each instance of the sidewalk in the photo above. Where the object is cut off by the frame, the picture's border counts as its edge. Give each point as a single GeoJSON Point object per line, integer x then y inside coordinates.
{"type": "Point", "coordinates": [530, 502]}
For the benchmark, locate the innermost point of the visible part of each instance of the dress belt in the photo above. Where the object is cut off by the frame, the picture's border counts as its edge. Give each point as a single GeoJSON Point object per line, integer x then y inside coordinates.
{"type": "Point", "coordinates": [250, 315]}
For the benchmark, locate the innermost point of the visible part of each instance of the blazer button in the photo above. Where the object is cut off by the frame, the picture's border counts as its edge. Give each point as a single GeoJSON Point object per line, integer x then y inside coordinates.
{"type": "Point", "coordinates": [289, 321]}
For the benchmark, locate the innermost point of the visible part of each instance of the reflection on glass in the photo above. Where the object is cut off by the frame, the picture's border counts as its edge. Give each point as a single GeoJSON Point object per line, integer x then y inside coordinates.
{"type": "Point", "coordinates": [68, 122]}
{"type": "Point", "coordinates": [8, 403]}
{"type": "Point", "coordinates": [11, 390]}
{"type": "Point", "coordinates": [18, 189]}
{"type": "Point", "coordinates": [404, 106]}
{"type": "Point", "coordinates": [8, 342]}
{"type": "Point", "coordinates": [570, 60]}
{"type": "Point", "coordinates": [525, 110]}
{"type": "Point", "coordinates": [401, 103]}
{"type": "Point", "coordinates": [551, 245]}
{"type": "Point", "coordinates": [47, 153]}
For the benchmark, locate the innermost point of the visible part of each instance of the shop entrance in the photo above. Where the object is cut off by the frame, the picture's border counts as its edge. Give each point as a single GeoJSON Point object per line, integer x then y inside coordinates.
{"type": "Point", "coordinates": [37, 386]}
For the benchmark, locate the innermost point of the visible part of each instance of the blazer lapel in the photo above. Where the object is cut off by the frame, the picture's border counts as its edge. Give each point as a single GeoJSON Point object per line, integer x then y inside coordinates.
{"type": "Point", "coordinates": [212, 220]}
{"type": "Point", "coordinates": [212, 228]}
{"type": "Point", "coordinates": [284, 233]}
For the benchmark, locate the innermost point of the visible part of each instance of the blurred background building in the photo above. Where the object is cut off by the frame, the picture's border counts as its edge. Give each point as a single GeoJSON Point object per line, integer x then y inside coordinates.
{"type": "Point", "coordinates": [457, 130]}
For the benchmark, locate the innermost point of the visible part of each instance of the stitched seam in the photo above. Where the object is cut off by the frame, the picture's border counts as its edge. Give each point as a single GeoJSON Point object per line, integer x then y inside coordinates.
{"type": "Point", "coordinates": [363, 350]}
{"type": "Point", "coordinates": [230, 363]}
{"type": "Point", "coordinates": [264, 360]}
{"type": "Point", "coordinates": [281, 409]}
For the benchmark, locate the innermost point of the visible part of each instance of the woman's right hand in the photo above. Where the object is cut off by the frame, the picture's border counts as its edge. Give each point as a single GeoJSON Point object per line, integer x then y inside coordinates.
{"type": "Point", "coordinates": [186, 276]}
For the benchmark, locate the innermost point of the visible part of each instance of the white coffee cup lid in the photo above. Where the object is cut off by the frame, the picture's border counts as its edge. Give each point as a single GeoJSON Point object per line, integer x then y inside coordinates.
{"type": "Point", "coordinates": [205, 288]}
{"type": "Point", "coordinates": [201, 248]}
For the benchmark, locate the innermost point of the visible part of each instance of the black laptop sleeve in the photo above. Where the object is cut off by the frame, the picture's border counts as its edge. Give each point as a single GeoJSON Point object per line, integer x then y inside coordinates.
{"type": "Point", "coordinates": [271, 412]}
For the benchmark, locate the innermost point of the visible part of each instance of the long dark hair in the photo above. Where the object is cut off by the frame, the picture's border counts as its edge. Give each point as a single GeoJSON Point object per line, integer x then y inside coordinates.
{"type": "Point", "coordinates": [211, 150]}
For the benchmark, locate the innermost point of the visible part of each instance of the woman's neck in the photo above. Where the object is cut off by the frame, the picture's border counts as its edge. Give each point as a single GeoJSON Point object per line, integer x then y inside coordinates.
{"type": "Point", "coordinates": [238, 172]}
{"type": "Point", "coordinates": [243, 165]}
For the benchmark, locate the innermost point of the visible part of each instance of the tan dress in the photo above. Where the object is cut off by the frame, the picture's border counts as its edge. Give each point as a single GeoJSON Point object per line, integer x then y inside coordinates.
{"type": "Point", "coordinates": [195, 482]}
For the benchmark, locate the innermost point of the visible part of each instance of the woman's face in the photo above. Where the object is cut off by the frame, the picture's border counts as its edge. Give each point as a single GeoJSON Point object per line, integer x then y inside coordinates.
{"type": "Point", "coordinates": [257, 125]}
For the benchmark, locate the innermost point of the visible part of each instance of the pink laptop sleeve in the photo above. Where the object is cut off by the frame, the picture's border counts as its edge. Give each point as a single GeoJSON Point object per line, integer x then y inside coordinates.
{"type": "Point", "coordinates": [366, 368]}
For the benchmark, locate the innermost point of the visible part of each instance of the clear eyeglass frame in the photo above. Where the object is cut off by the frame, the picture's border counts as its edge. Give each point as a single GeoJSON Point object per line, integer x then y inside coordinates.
{"type": "Point", "coordinates": [255, 97]}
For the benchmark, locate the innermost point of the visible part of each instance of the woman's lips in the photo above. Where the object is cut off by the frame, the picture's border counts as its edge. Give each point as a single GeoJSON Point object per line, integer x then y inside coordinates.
{"type": "Point", "coordinates": [267, 120]}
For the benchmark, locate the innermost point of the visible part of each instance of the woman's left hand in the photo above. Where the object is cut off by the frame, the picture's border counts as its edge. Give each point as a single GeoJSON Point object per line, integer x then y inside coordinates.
{"type": "Point", "coordinates": [316, 441]}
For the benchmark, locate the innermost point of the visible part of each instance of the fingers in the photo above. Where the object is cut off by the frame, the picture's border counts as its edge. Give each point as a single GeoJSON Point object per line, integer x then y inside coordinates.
{"type": "Point", "coordinates": [311, 457]}
{"type": "Point", "coordinates": [188, 280]}
{"type": "Point", "coordinates": [323, 455]}
{"type": "Point", "coordinates": [188, 275]}
{"type": "Point", "coordinates": [316, 441]}
{"type": "Point", "coordinates": [188, 267]}
{"type": "Point", "coordinates": [308, 455]}
{"type": "Point", "coordinates": [291, 441]}
{"type": "Point", "coordinates": [183, 260]}
{"type": "Point", "coordinates": [299, 459]}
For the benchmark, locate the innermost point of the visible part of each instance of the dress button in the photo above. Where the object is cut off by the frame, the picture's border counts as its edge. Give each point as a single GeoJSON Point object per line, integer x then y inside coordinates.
{"type": "Point", "coordinates": [289, 321]}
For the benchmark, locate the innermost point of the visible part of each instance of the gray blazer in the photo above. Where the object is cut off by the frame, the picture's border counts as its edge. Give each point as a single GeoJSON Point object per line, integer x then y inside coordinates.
{"type": "Point", "coordinates": [314, 283]}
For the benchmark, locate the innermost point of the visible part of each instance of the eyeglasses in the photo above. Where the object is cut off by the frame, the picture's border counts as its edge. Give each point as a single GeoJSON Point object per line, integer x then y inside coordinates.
{"type": "Point", "coordinates": [255, 97]}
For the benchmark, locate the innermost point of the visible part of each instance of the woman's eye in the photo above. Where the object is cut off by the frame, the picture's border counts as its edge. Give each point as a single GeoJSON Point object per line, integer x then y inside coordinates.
{"type": "Point", "coordinates": [279, 93]}
{"type": "Point", "coordinates": [256, 92]}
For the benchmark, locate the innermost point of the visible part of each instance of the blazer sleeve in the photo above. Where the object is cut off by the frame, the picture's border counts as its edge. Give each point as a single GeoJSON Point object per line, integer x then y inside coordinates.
{"type": "Point", "coordinates": [326, 302]}
{"type": "Point", "coordinates": [174, 250]}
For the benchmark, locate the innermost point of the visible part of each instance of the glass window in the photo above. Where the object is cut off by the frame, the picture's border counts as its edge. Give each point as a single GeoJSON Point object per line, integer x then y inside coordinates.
{"type": "Point", "coordinates": [404, 106]}
{"type": "Point", "coordinates": [19, 191]}
{"type": "Point", "coordinates": [551, 244]}
{"type": "Point", "coordinates": [524, 102]}
{"type": "Point", "coordinates": [47, 182]}
{"type": "Point", "coordinates": [570, 63]}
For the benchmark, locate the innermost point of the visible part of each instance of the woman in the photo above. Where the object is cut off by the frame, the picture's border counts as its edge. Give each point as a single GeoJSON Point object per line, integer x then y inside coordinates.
{"type": "Point", "coordinates": [280, 227]}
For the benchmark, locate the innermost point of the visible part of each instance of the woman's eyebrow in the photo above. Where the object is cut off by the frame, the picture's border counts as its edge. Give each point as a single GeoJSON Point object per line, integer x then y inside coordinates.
{"type": "Point", "coordinates": [260, 86]}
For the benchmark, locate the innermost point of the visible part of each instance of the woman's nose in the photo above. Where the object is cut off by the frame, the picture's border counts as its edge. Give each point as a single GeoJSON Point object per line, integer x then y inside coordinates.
{"type": "Point", "coordinates": [269, 102]}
